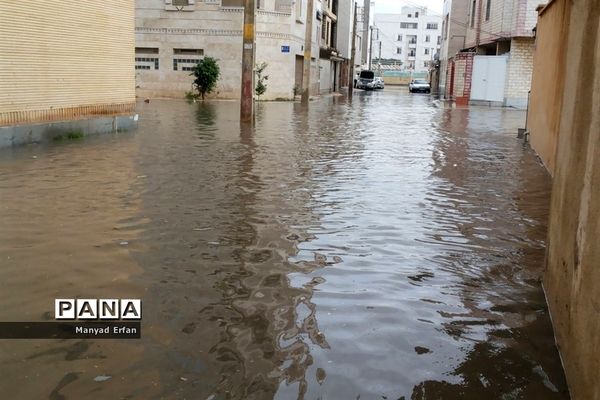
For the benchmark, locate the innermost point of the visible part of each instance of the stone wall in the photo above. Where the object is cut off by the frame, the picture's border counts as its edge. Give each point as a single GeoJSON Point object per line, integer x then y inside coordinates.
{"type": "Point", "coordinates": [572, 278]}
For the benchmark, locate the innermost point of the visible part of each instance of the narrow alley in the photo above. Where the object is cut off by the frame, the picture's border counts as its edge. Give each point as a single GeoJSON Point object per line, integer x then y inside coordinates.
{"type": "Point", "coordinates": [381, 248]}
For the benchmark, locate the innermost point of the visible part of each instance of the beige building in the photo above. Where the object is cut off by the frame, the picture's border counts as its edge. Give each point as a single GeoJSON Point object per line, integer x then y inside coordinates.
{"type": "Point", "coordinates": [564, 126]}
{"type": "Point", "coordinates": [173, 35]}
{"type": "Point", "coordinates": [62, 61]}
{"type": "Point", "coordinates": [499, 34]}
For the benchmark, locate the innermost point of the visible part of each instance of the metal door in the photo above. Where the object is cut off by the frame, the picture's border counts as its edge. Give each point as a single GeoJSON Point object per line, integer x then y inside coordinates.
{"type": "Point", "coordinates": [488, 78]}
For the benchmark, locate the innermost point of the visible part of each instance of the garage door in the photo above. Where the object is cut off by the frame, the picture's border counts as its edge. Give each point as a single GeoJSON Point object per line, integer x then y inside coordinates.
{"type": "Point", "coordinates": [489, 76]}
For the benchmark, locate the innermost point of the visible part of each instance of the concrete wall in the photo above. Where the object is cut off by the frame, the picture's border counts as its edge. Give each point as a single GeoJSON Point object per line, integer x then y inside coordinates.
{"type": "Point", "coordinates": [548, 81]}
{"type": "Point", "coordinates": [572, 279]}
{"type": "Point", "coordinates": [62, 60]}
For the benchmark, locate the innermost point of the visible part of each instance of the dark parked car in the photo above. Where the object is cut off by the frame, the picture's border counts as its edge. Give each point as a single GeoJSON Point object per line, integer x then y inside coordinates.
{"type": "Point", "coordinates": [366, 80]}
{"type": "Point", "coordinates": [419, 86]}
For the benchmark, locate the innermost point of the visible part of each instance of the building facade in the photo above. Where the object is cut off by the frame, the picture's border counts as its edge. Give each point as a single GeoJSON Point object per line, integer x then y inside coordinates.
{"type": "Point", "coordinates": [411, 38]}
{"type": "Point", "coordinates": [173, 35]}
{"type": "Point", "coordinates": [454, 36]}
{"type": "Point", "coordinates": [499, 35]}
{"type": "Point", "coordinates": [64, 61]}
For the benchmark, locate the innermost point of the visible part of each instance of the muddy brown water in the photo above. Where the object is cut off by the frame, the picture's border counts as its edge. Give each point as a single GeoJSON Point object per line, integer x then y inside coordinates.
{"type": "Point", "coordinates": [387, 248]}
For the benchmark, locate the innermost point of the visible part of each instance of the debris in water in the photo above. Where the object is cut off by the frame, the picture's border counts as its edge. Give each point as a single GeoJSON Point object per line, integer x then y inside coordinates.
{"type": "Point", "coordinates": [102, 378]}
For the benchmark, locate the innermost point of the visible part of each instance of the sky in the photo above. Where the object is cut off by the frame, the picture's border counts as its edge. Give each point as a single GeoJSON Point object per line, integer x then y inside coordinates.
{"type": "Point", "coordinates": [394, 6]}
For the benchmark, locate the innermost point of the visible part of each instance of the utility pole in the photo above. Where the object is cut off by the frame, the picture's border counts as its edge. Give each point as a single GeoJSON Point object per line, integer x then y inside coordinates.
{"type": "Point", "coordinates": [370, 48]}
{"type": "Point", "coordinates": [379, 58]}
{"type": "Point", "coordinates": [353, 53]}
{"type": "Point", "coordinates": [307, 52]}
{"type": "Point", "coordinates": [247, 99]}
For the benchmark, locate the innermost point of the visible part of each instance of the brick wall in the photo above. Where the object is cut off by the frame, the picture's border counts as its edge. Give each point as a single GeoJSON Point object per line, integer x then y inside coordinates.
{"type": "Point", "coordinates": [520, 68]}
{"type": "Point", "coordinates": [463, 64]}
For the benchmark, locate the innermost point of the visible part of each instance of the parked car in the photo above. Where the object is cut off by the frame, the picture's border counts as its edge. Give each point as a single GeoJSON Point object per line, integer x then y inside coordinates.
{"type": "Point", "coordinates": [419, 86]}
{"type": "Point", "coordinates": [366, 80]}
{"type": "Point", "coordinates": [379, 83]}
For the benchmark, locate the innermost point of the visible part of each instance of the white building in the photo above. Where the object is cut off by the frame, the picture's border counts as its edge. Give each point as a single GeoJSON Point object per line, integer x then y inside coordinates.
{"type": "Point", "coordinates": [412, 38]}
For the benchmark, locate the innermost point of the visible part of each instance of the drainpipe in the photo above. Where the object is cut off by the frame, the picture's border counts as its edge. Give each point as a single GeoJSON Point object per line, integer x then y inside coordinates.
{"type": "Point", "coordinates": [523, 133]}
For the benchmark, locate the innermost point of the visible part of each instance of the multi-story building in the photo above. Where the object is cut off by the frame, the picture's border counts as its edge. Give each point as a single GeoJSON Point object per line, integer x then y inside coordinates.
{"type": "Point", "coordinates": [412, 37]}
{"type": "Point", "coordinates": [65, 68]}
{"type": "Point", "coordinates": [498, 51]}
{"type": "Point", "coordinates": [454, 34]}
{"type": "Point", "coordinates": [173, 35]}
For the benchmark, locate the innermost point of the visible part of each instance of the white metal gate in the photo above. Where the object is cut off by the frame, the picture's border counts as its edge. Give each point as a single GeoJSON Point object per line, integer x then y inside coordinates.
{"type": "Point", "coordinates": [489, 76]}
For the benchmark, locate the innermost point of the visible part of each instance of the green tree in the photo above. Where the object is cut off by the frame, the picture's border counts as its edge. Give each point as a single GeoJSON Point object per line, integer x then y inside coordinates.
{"type": "Point", "coordinates": [261, 86]}
{"type": "Point", "coordinates": [206, 74]}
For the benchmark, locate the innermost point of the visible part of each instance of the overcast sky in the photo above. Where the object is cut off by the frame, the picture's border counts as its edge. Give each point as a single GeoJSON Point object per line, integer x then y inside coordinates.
{"type": "Point", "coordinates": [394, 6]}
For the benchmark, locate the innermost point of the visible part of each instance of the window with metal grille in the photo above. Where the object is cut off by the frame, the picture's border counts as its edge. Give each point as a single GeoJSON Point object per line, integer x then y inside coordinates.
{"type": "Point", "coordinates": [473, 13]}
{"type": "Point", "coordinates": [409, 25]}
{"type": "Point", "coordinates": [432, 25]}
{"type": "Point", "coordinates": [180, 3]}
{"type": "Point", "coordinates": [488, 9]}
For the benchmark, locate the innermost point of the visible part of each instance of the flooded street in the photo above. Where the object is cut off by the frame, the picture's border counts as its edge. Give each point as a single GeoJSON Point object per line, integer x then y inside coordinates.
{"type": "Point", "coordinates": [387, 248]}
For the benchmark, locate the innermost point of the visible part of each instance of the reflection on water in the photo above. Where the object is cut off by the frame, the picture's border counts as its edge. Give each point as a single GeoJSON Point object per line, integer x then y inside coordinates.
{"type": "Point", "coordinates": [386, 248]}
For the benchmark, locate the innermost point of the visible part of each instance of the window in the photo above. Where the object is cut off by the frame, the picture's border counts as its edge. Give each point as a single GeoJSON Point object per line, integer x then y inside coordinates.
{"type": "Point", "coordinates": [146, 58]}
{"type": "Point", "coordinates": [417, 14]}
{"type": "Point", "coordinates": [299, 9]}
{"type": "Point", "coordinates": [188, 57]}
{"type": "Point", "coordinates": [398, 50]}
{"type": "Point", "coordinates": [413, 40]}
{"type": "Point", "coordinates": [488, 9]}
{"type": "Point", "coordinates": [409, 15]}
{"type": "Point", "coordinates": [427, 39]}
{"type": "Point", "coordinates": [432, 25]}
{"type": "Point", "coordinates": [408, 25]}
{"type": "Point", "coordinates": [232, 3]}
{"type": "Point", "coordinates": [180, 5]}
{"type": "Point", "coordinates": [439, 40]}
{"type": "Point", "coordinates": [146, 50]}
{"type": "Point", "coordinates": [426, 51]}
{"type": "Point", "coordinates": [412, 53]}
{"type": "Point", "coordinates": [473, 13]}
{"type": "Point", "coordinates": [197, 52]}
{"type": "Point", "coordinates": [399, 38]}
